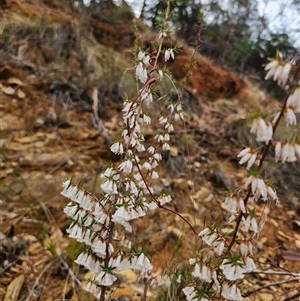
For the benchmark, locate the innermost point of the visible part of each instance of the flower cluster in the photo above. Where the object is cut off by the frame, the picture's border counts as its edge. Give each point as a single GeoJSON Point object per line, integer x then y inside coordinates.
{"type": "Point", "coordinates": [248, 155]}
{"type": "Point", "coordinates": [294, 99]}
{"type": "Point", "coordinates": [91, 225]}
{"type": "Point", "coordinates": [287, 151]}
{"type": "Point", "coordinates": [213, 239]}
{"type": "Point", "coordinates": [262, 129]}
{"type": "Point", "coordinates": [278, 70]}
{"type": "Point", "coordinates": [236, 270]}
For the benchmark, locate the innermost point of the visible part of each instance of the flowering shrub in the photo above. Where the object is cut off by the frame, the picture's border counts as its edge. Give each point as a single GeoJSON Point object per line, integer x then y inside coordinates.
{"type": "Point", "coordinates": [103, 223]}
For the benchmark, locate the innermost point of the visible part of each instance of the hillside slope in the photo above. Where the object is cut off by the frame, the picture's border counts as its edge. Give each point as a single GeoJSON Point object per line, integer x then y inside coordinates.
{"type": "Point", "coordinates": [52, 59]}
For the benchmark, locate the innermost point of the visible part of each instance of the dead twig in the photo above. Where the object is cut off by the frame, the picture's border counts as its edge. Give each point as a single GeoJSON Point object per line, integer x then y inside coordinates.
{"type": "Point", "coordinates": [247, 294]}
{"type": "Point", "coordinates": [271, 272]}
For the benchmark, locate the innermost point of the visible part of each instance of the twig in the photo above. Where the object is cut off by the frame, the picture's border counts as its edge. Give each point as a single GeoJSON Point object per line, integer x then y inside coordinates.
{"type": "Point", "coordinates": [247, 294]}
{"type": "Point", "coordinates": [292, 297]}
{"type": "Point", "coordinates": [270, 272]}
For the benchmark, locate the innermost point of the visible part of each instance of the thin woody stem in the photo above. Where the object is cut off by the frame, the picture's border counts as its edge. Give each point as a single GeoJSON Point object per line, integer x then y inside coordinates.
{"type": "Point", "coordinates": [158, 202]}
{"type": "Point", "coordinates": [264, 155]}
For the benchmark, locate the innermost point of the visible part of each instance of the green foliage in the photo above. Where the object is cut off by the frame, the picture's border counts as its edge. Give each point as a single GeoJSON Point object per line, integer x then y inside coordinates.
{"type": "Point", "coordinates": [236, 35]}
{"type": "Point", "coordinates": [108, 11]}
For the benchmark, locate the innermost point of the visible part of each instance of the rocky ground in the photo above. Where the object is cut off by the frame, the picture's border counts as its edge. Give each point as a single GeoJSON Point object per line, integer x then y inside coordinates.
{"type": "Point", "coordinates": [51, 60]}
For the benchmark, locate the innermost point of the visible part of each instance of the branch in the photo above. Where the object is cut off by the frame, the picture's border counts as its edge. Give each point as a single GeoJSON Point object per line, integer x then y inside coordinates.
{"type": "Point", "coordinates": [247, 294]}
{"type": "Point", "coordinates": [270, 272]}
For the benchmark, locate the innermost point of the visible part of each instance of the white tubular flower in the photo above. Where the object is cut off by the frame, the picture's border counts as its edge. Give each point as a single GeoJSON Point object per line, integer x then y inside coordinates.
{"type": "Point", "coordinates": [288, 153]}
{"type": "Point", "coordinates": [166, 146]}
{"type": "Point", "coordinates": [86, 238]}
{"type": "Point", "coordinates": [204, 232]}
{"type": "Point", "coordinates": [141, 73]}
{"type": "Point", "coordinates": [197, 270]}
{"type": "Point", "coordinates": [120, 216]}
{"type": "Point", "coordinates": [70, 210]}
{"type": "Point", "coordinates": [258, 187]}
{"type": "Point", "coordinates": [164, 280]}
{"type": "Point", "coordinates": [109, 187]}
{"type": "Point", "coordinates": [292, 155]}
{"type": "Point", "coordinates": [99, 247]}
{"type": "Point", "coordinates": [69, 190]}
{"type": "Point", "coordinates": [280, 72]}
{"type": "Point", "coordinates": [250, 224]}
{"type": "Point", "coordinates": [284, 152]}
{"type": "Point", "coordinates": [161, 74]}
{"type": "Point", "coordinates": [82, 259]}
{"type": "Point", "coordinates": [126, 166]}
{"type": "Point", "coordinates": [192, 261]}
{"type": "Point", "coordinates": [90, 263]}
{"type": "Point", "coordinates": [294, 99]}
{"type": "Point", "coordinates": [75, 231]}
{"type": "Point", "coordinates": [92, 288]}
{"type": "Point", "coordinates": [117, 148]}
{"type": "Point", "coordinates": [231, 292]}
{"type": "Point", "coordinates": [132, 188]}
{"type": "Point", "coordinates": [271, 68]}
{"type": "Point", "coordinates": [203, 272]}
{"type": "Point", "coordinates": [151, 150]}
{"type": "Point", "coordinates": [146, 59]}
{"type": "Point", "coordinates": [147, 166]}
{"type": "Point", "coordinates": [261, 189]}
{"type": "Point", "coordinates": [252, 160]}
{"type": "Point", "coordinates": [100, 215]}
{"type": "Point", "coordinates": [105, 279]}
{"type": "Point", "coordinates": [290, 117]}
{"type": "Point", "coordinates": [164, 199]}
{"type": "Point", "coordinates": [146, 119]}
{"type": "Point", "coordinates": [159, 137]}
{"type": "Point", "coordinates": [208, 237]}
{"type": "Point", "coordinates": [141, 55]}
{"type": "Point", "coordinates": [219, 246]}
{"type": "Point", "coordinates": [242, 205]}
{"type": "Point", "coordinates": [136, 213]}
{"type": "Point", "coordinates": [110, 173]}
{"type": "Point", "coordinates": [263, 130]}
{"type": "Point", "coordinates": [88, 221]}
{"type": "Point", "coordinates": [272, 193]}
{"type": "Point", "coordinates": [232, 205]}
{"type": "Point", "coordinates": [87, 202]}
{"type": "Point", "coordinates": [169, 127]}
{"type": "Point", "coordinates": [154, 175]}
{"type": "Point", "coordinates": [142, 263]}
{"type": "Point", "coordinates": [162, 120]}
{"type": "Point", "coordinates": [77, 195]}
{"type": "Point", "coordinates": [190, 293]}
{"type": "Point", "coordinates": [232, 272]}
{"type": "Point", "coordinates": [147, 96]}
{"type": "Point", "coordinates": [169, 53]}
{"type": "Point", "coordinates": [246, 248]}
{"type": "Point", "coordinates": [247, 155]}
{"type": "Point", "coordinates": [283, 77]}
{"type": "Point", "coordinates": [250, 265]}
{"type": "Point", "coordinates": [162, 35]}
